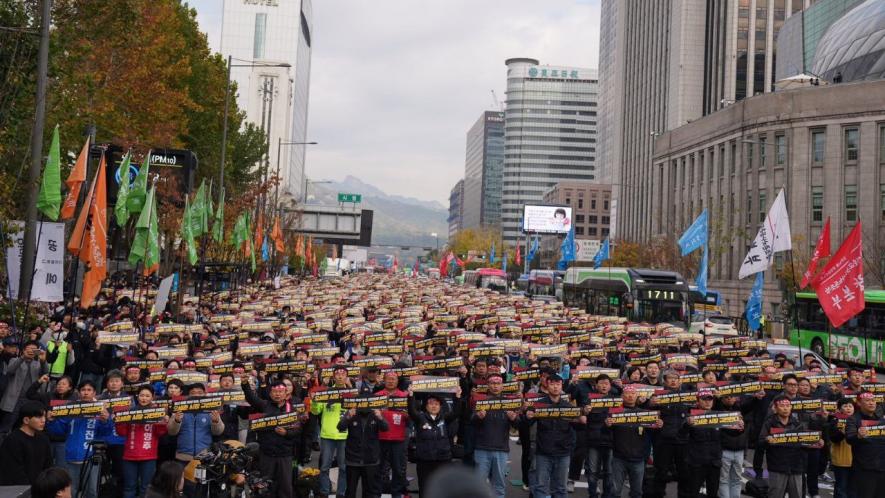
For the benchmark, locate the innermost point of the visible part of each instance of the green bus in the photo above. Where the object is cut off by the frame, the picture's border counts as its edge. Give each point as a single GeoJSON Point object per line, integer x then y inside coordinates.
{"type": "Point", "coordinates": [641, 295]}
{"type": "Point", "coordinates": [860, 340]}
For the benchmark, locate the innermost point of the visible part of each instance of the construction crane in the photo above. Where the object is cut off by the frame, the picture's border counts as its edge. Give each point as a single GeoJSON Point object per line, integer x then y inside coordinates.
{"type": "Point", "coordinates": [498, 103]}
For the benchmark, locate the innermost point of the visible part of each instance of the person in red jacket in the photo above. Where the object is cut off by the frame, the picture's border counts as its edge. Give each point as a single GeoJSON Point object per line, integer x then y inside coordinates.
{"type": "Point", "coordinates": [140, 448]}
{"type": "Point", "coordinates": [393, 441]}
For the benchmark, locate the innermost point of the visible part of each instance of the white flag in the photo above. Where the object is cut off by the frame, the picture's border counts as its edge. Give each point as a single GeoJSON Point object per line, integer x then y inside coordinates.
{"type": "Point", "coordinates": [773, 236]}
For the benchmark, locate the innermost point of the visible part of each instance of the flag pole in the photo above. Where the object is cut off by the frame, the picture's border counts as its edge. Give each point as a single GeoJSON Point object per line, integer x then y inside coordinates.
{"type": "Point", "coordinates": [9, 294]}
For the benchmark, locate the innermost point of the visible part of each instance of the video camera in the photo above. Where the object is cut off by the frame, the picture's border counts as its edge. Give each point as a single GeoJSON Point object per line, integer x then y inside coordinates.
{"type": "Point", "coordinates": [221, 462]}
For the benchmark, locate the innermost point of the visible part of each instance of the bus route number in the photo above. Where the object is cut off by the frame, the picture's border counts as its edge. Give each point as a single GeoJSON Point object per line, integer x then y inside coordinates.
{"type": "Point", "coordinates": [660, 295]}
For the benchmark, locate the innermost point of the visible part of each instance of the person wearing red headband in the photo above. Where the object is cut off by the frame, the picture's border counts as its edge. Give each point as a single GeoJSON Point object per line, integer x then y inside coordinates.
{"type": "Point", "coordinates": [868, 453]}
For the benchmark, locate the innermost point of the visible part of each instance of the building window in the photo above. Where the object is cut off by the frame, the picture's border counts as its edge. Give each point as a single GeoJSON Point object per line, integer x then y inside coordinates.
{"type": "Point", "coordinates": [762, 153]}
{"type": "Point", "coordinates": [568, 200]}
{"type": "Point", "coordinates": [605, 220]}
{"type": "Point", "coordinates": [851, 144]}
{"type": "Point", "coordinates": [721, 161]}
{"type": "Point", "coordinates": [733, 159]}
{"type": "Point", "coordinates": [579, 218]}
{"type": "Point", "coordinates": [594, 219]}
{"type": "Point", "coordinates": [749, 207]}
{"type": "Point", "coordinates": [850, 202]}
{"type": "Point", "coordinates": [260, 33]}
{"type": "Point", "coordinates": [605, 232]}
{"type": "Point", "coordinates": [580, 203]}
{"type": "Point", "coordinates": [592, 204]}
{"type": "Point", "coordinates": [701, 164]}
{"type": "Point", "coordinates": [882, 145]}
{"type": "Point", "coordinates": [780, 150]}
{"type": "Point", "coordinates": [749, 156]}
{"type": "Point", "coordinates": [762, 206]}
{"type": "Point", "coordinates": [579, 230]}
{"type": "Point", "coordinates": [591, 231]}
{"type": "Point", "coordinates": [882, 201]}
{"type": "Point", "coordinates": [817, 204]}
{"type": "Point", "coordinates": [818, 146]}
{"type": "Point", "coordinates": [605, 205]}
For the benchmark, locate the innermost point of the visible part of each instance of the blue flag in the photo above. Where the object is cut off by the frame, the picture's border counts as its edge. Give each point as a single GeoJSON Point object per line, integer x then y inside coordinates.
{"type": "Point", "coordinates": [601, 255]}
{"type": "Point", "coordinates": [754, 304]}
{"type": "Point", "coordinates": [695, 236]}
{"type": "Point", "coordinates": [534, 249]}
{"type": "Point", "coordinates": [504, 262]}
{"type": "Point", "coordinates": [265, 253]}
{"type": "Point", "coordinates": [492, 254]}
{"type": "Point", "coordinates": [701, 281]}
{"type": "Point", "coordinates": [567, 250]}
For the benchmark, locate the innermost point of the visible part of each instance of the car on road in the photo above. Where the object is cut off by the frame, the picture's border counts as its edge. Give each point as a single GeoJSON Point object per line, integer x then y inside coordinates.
{"type": "Point", "coordinates": [796, 354]}
{"type": "Point", "coordinates": [715, 328]}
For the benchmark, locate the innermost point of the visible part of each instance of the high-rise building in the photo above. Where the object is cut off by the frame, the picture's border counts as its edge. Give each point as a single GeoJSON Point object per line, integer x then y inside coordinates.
{"type": "Point", "coordinates": [483, 170]}
{"type": "Point", "coordinates": [666, 63]}
{"type": "Point", "coordinates": [261, 36]}
{"type": "Point", "coordinates": [549, 134]}
{"type": "Point", "coordinates": [456, 208]}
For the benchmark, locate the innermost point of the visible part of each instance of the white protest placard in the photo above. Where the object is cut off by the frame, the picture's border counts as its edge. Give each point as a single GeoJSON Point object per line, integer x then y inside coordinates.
{"type": "Point", "coordinates": [48, 282]}
{"type": "Point", "coordinates": [163, 295]}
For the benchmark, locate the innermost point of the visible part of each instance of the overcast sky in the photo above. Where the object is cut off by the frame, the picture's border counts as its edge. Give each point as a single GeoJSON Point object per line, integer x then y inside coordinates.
{"type": "Point", "coordinates": [396, 84]}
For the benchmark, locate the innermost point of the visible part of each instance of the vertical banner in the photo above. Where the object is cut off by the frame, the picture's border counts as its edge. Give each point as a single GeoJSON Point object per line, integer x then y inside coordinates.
{"type": "Point", "coordinates": [49, 268]}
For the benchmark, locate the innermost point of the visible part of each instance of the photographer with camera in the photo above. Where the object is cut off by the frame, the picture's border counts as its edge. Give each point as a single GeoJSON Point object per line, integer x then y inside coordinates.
{"type": "Point", "coordinates": [277, 444]}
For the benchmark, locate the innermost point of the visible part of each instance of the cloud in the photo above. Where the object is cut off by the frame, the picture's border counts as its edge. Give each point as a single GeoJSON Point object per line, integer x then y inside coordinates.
{"type": "Point", "coordinates": [396, 84]}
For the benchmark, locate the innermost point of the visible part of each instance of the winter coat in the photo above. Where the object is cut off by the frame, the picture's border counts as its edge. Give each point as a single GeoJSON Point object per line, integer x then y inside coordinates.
{"type": "Point", "coordinates": [271, 443]}
{"type": "Point", "coordinates": [628, 443]}
{"type": "Point", "coordinates": [194, 433]}
{"type": "Point", "coordinates": [21, 374]}
{"type": "Point", "coordinates": [432, 434]}
{"type": "Point", "coordinates": [80, 432]}
{"type": "Point", "coordinates": [867, 453]}
{"type": "Point", "coordinates": [556, 436]}
{"type": "Point", "coordinates": [362, 447]}
{"type": "Point", "coordinates": [786, 459]}
{"type": "Point", "coordinates": [492, 432]}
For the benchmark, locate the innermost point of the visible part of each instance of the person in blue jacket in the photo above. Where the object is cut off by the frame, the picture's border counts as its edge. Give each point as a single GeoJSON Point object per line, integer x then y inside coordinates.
{"type": "Point", "coordinates": [81, 432]}
{"type": "Point", "coordinates": [194, 430]}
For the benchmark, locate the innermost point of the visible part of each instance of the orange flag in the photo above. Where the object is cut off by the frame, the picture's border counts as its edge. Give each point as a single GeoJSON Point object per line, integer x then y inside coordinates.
{"type": "Point", "coordinates": [76, 240]}
{"type": "Point", "coordinates": [96, 241]}
{"type": "Point", "coordinates": [299, 247]}
{"type": "Point", "coordinates": [259, 231]}
{"type": "Point", "coordinates": [75, 182]}
{"type": "Point", "coordinates": [277, 236]}
{"type": "Point", "coordinates": [309, 250]}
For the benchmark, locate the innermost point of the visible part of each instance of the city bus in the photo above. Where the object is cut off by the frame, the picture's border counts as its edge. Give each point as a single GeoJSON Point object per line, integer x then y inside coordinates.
{"type": "Point", "coordinates": [486, 278]}
{"type": "Point", "coordinates": [641, 295]}
{"type": "Point", "coordinates": [709, 304]}
{"type": "Point", "coordinates": [860, 340]}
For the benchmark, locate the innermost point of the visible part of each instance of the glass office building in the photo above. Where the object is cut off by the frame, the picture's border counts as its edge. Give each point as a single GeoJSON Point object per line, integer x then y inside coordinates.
{"type": "Point", "coordinates": [853, 48]}
{"type": "Point", "coordinates": [483, 170]}
{"type": "Point", "coordinates": [549, 134]}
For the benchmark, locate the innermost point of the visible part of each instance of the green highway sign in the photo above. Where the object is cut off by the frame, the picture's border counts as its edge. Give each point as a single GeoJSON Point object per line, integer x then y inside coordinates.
{"type": "Point", "coordinates": [354, 198]}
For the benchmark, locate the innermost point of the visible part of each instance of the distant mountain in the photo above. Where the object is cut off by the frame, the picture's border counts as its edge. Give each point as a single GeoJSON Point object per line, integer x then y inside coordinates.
{"type": "Point", "coordinates": [398, 220]}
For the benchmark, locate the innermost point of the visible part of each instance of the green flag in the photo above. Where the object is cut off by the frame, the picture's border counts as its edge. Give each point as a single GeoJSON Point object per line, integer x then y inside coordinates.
{"type": "Point", "coordinates": [187, 234]}
{"type": "Point", "coordinates": [199, 217]}
{"type": "Point", "coordinates": [141, 244]}
{"type": "Point", "coordinates": [120, 210]}
{"type": "Point", "coordinates": [152, 258]}
{"type": "Point", "coordinates": [49, 200]}
{"type": "Point", "coordinates": [210, 208]}
{"type": "Point", "coordinates": [136, 199]}
{"type": "Point", "coordinates": [241, 231]}
{"type": "Point", "coordinates": [218, 223]}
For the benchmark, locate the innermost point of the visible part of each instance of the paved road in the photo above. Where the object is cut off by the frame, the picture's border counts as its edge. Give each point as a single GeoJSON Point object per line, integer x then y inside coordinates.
{"type": "Point", "coordinates": [826, 490]}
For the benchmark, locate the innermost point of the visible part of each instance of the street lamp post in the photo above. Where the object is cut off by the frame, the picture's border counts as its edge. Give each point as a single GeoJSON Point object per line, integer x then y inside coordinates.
{"type": "Point", "coordinates": [227, 112]}
{"type": "Point", "coordinates": [280, 145]}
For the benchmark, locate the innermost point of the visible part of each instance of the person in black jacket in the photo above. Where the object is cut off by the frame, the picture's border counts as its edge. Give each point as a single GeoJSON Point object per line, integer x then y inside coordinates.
{"type": "Point", "coordinates": [628, 448]}
{"type": "Point", "coordinates": [433, 443]}
{"type": "Point", "coordinates": [277, 444]}
{"type": "Point", "coordinates": [705, 458]}
{"type": "Point", "coordinates": [491, 433]}
{"type": "Point", "coordinates": [26, 451]}
{"type": "Point", "coordinates": [670, 445]}
{"type": "Point", "coordinates": [362, 450]}
{"type": "Point", "coordinates": [867, 453]}
{"type": "Point", "coordinates": [555, 442]}
{"type": "Point", "coordinates": [786, 463]}
{"type": "Point", "coordinates": [599, 440]}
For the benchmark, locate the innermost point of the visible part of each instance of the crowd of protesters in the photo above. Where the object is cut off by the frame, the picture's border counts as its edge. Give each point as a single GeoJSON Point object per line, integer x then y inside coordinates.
{"type": "Point", "coordinates": [366, 373]}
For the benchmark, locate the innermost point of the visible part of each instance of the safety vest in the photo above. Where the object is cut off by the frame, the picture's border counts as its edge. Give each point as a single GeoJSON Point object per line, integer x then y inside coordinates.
{"type": "Point", "coordinates": [58, 366]}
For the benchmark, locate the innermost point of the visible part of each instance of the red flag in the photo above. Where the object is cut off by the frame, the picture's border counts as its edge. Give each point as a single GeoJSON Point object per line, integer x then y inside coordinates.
{"type": "Point", "coordinates": [259, 231]}
{"type": "Point", "coordinates": [75, 182]}
{"type": "Point", "coordinates": [395, 264]}
{"type": "Point", "coordinates": [95, 254]}
{"type": "Point", "coordinates": [518, 258]}
{"type": "Point", "coordinates": [821, 250]}
{"type": "Point", "coordinates": [840, 284]}
{"type": "Point", "coordinates": [277, 235]}
{"type": "Point", "coordinates": [444, 264]}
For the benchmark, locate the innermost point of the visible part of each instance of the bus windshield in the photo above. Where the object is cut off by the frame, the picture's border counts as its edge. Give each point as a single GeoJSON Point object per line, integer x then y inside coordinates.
{"type": "Point", "coordinates": [653, 311]}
